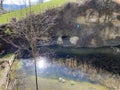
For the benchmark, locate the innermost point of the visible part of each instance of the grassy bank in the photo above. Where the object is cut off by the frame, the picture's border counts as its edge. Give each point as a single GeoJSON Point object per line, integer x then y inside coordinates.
{"type": "Point", "coordinates": [5, 70]}
{"type": "Point", "coordinates": [5, 18]}
{"type": "Point", "coordinates": [52, 84]}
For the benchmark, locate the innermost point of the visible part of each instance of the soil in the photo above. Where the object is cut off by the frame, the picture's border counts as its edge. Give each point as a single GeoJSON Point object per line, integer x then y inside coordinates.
{"type": "Point", "coordinates": [4, 71]}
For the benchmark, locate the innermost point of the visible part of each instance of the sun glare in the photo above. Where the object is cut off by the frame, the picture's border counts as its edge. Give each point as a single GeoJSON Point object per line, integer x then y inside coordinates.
{"type": "Point", "coordinates": [41, 63]}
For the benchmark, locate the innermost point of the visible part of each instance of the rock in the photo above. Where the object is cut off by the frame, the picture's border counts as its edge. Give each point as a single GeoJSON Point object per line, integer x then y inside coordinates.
{"type": "Point", "coordinates": [118, 50]}
{"type": "Point", "coordinates": [93, 20]}
{"type": "Point", "coordinates": [2, 66]}
{"type": "Point", "coordinates": [118, 17]}
{"type": "Point", "coordinates": [74, 40]}
{"type": "Point", "coordinates": [59, 41]}
{"type": "Point", "coordinates": [61, 80]}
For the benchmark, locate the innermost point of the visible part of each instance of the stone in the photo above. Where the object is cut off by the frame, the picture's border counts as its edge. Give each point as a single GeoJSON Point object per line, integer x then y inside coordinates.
{"type": "Point", "coordinates": [74, 40]}
{"type": "Point", "coordinates": [60, 79]}
{"type": "Point", "coordinates": [59, 40]}
{"type": "Point", "coordinates": [93, 20]}
{"type": "Point", "coordinates": [63, 80]}
{"type": "Point", "coordinates": [118, 17]}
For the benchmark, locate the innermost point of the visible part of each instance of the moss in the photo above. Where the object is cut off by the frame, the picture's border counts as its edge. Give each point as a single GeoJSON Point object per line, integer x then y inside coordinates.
{"type": "Point", "coordinates": [9, 32]}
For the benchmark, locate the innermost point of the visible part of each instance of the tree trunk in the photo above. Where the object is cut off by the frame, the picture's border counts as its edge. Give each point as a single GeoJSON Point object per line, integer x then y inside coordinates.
{"type": "Point", "coordinates": [34, 53]}
{"type": "Point", "coordinates": [1, 4]}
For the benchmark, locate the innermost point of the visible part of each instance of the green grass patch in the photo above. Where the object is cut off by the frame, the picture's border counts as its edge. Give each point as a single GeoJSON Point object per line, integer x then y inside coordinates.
{"type": "Point", "coordinates": [17, 65]}
{"type": "Point", "coordinates": [7, 56]}
{"type": "Point", "coordinates": [0, 75]}
{"type": "Point", "coordinates": [52, 84]}
{"type": "Point", "coordinates": [20, 14]}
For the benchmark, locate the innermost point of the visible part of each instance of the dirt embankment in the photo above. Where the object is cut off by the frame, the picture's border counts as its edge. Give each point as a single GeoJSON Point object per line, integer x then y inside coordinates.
{"type": "Point", "coordinates": [5, 69]}
{"type": "Point", "coordinates": [87, 23]}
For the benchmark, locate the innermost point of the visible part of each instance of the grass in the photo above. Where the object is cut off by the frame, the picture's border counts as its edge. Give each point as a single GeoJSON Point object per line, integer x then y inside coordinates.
{"type": "Point", "coordinates": [8, 55]}
{"type": "Point", "coordinates": [13, 72]}
{"type": "Point", "coordinates": [20, 14]}
{"type": "Point", "coordinates": [17, 65]}
{"type": "Point", "coordinates": [102, 76]}
{"type": "Point", "coordinates": [52, 84]}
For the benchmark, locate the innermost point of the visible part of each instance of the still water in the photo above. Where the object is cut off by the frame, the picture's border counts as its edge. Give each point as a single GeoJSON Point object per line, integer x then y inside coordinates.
{"type": "Point", "coordinates": [54, 69]}
{"type": "Point", "coordinates": [66, 70]}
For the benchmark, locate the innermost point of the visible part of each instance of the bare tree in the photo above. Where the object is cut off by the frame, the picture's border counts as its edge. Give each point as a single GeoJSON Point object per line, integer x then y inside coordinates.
{"type": "Point", "coordinates": [31, 29]}
{"type": "Point", "coordinates": [25, 34]}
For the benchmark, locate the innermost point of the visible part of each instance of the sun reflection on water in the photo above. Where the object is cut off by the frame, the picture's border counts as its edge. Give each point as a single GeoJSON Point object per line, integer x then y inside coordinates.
{"type": "Point", "coordinates": [41, 62]}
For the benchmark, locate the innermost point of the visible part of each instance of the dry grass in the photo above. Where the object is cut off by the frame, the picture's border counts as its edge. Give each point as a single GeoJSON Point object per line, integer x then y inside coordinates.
{"type": "Point", "coordinates": [103, 77]}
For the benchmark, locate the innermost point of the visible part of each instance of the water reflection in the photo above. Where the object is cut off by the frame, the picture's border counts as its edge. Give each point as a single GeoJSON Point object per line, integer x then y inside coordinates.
{"type": "Point", "coordinates": [52, 68]}
{"type": "Point", "coordinates": [41, 62]}
{"type": "Point", "coordinates": [75, 68]}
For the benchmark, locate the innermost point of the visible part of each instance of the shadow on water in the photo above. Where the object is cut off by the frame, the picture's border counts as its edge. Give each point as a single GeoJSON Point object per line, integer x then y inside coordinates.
{"type": "Point", "coordinates": [106, 58]}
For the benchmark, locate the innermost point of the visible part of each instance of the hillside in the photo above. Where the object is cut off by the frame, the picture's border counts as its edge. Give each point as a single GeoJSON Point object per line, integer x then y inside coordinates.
{"type": "Point", "coordinates": [76, 41]}
{"type": "Point", "coordinates": [70, 26]}
{"type": "Point", "coordinates": [5, 18]}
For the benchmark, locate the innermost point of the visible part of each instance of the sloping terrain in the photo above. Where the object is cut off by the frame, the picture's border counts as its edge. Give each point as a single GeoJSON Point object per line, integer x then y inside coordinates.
{"type": "Point", "coordinates": [70, 25]}
{"type": "Point", "coordinates": [20, 14]}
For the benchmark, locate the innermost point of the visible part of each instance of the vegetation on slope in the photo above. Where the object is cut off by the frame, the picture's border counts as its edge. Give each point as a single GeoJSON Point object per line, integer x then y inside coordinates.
{"type": "Point", "coordinates": [5, 18]}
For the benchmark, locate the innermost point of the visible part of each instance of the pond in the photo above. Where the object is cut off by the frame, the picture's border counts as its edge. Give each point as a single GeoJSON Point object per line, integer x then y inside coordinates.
{"type": "Point", "coordinates": [70, 68]}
